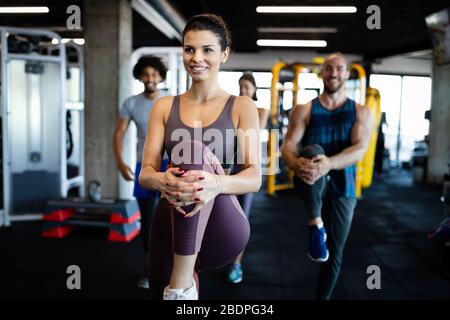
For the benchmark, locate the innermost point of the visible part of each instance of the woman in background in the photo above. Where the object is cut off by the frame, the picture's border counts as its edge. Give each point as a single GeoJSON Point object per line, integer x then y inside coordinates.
{"type": "Point", "coordinates": [247, 87]}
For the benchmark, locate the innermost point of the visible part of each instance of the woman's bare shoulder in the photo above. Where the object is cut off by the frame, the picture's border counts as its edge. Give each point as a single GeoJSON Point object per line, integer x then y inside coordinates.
{"type": "Point", "coordinates": [163, 105]}
{"type": "Point", "coordinates": [244, 103]}
{"type": "Point", "coordinates": [164, 101]}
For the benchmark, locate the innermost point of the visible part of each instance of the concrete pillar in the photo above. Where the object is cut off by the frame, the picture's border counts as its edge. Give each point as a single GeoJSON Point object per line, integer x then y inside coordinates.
{"type": "Point", "coordinates": [439, 148]}
{"type": "Point", "coordinates": [108, 47]}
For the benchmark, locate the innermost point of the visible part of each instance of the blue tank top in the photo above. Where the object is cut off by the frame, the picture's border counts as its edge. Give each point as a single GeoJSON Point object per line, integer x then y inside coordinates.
{"type": "Point", "coordinates": [332, 130]}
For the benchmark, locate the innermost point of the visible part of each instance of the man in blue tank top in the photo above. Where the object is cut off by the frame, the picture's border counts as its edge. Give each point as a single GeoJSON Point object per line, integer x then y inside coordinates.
{"type": "Point", "coordinates": [325, 139]}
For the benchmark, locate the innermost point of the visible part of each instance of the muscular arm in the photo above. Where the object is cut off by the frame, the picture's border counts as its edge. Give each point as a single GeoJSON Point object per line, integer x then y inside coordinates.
{"type": "Point", "coordinates": [249, 179]}
{"type": "Point", "coordinates": [296, 130]}
{"type": "Point", "coordinates": [360, 138]}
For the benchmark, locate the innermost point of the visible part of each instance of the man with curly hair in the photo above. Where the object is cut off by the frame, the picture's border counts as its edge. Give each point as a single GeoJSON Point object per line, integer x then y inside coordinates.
{"type": "Point", "coordinates": [150, 70]}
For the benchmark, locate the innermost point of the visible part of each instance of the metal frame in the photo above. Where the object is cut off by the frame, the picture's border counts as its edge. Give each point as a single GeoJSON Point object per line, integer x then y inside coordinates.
{"type": "Point", "coordinates": [274, 152]}
{"type": "Point", "coordinates": [79, 180]}
{"type": "Point", "coordinates": [359, 164]}
{"type": "Point", "coordinates": [6, 216]}
{"type": "Point", "coordinates": [4, 213]}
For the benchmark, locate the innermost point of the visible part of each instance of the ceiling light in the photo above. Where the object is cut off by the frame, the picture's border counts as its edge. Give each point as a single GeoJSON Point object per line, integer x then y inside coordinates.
{"type": "Point", "coordinates": [297, 30]}
{"type": "Point", "coordinates": [24, 10]}
{"type": "Point", "coordinates": [306, 9]}
{"type": "Point", "coordinates": [290, 43]}
{"type": "Point", "coordinates": [79, 41]}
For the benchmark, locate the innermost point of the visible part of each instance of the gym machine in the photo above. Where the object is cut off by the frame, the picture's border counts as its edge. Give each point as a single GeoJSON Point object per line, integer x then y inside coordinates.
{"type": "Point", "coordinates": [42, 131]}
{"type": "Point", "coordinates": [280, 177]}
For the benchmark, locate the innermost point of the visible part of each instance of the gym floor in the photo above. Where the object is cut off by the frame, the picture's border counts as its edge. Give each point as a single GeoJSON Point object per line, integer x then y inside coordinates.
{"type": "Point", "coordinates": [389, 229]}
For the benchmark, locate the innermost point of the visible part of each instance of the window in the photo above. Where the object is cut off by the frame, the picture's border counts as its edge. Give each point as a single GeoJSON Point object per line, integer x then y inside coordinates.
{"type": "Point", "coordinates": [416, 99]}
{"type": "Point", "coordinates": [229, 81]}
{"type": "Point", "coordinates": [309, 87]}
{"type": "Point", "coordinates": [404, 99]}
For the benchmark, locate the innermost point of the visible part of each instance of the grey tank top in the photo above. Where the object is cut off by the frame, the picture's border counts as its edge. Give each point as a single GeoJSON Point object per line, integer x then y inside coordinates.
{"type": "Point", "coordinates": [219, 136]}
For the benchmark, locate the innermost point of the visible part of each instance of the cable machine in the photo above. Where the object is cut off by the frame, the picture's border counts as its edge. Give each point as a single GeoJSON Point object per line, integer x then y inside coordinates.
{"type": "Point", "coordinates": [34, 123]}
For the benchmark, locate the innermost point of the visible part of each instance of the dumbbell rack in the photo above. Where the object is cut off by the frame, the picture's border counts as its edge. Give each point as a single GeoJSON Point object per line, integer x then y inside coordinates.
{"type": "Point", "coordinates": [63, 215]}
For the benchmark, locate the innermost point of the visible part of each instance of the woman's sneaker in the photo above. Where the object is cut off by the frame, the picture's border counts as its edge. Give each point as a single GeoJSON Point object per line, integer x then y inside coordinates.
{"type": "Point", "coordinates": [235, 275]}
{"type": "Point", "coordinates": [181, 294]}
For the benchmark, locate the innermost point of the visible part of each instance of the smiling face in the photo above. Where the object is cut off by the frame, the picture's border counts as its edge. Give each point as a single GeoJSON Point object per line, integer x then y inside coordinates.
{"type": "Point", "coordinates": [150, 77]}
{"type": "Point", "coordinates": [202, 54]}
{"type": "Point", "coordinates": [334, 74]}
{"type": "Point", "coordinates": [246, 88]}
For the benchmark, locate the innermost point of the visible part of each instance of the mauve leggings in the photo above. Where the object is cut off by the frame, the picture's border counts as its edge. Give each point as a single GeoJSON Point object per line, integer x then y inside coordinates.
{"type": "Point", "coordinates": [219, 232]}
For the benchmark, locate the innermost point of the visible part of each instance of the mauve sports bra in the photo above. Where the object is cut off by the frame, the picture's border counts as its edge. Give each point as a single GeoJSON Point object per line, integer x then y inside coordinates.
{"type": "Point", "coordinates": [219, 136]}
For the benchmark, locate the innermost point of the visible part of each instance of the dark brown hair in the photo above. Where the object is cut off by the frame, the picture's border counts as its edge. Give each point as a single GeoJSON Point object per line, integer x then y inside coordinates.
{"type": "Point", "coordinates": [249, 77]}
{"type": "Point", "coordinates": [213, 23]}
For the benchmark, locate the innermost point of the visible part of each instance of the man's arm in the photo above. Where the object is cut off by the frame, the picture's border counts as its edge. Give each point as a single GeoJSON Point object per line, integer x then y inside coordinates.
{"type": "Point", "coordinates": [119, 132]}
{"type": "Point", "coordinates": [296, 130]}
